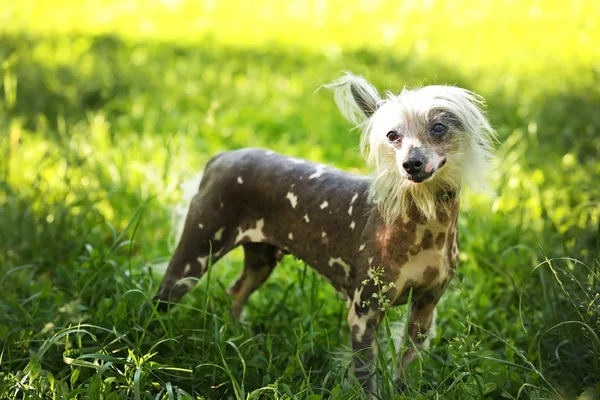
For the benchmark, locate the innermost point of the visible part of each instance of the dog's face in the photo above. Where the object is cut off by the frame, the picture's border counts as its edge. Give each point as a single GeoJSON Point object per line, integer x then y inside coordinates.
{"type": "Point", "coordinates": [423, 130]}
{"type": "Point", "coordinates": [420, 137]}
{"type": "Point", "coordinates": [429, 134]}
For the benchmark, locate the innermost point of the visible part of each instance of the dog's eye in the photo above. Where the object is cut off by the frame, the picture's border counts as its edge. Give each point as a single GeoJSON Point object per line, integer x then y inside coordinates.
{"type": "Point", "coordinates": [438, 129]}
{"type": "Point", "coordinates": [393, 136]}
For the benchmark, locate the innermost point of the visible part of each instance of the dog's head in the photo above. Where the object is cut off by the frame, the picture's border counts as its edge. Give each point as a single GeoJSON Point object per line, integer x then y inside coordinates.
{"type": "Point", "coordinates": [421, 141]}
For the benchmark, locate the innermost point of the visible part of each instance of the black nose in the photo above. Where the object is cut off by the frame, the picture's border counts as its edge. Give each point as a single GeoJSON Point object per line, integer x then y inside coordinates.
{"type": "Point", "coordinates": [413, 165]}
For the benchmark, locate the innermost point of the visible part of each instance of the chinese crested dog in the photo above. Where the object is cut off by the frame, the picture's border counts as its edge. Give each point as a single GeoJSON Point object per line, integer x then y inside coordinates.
{"type": "Point", "coordinates": [378, 240]}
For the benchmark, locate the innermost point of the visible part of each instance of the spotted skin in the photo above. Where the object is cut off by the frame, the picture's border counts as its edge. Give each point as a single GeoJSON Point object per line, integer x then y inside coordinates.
{"type": "Point", "coordinates": [324, 217]}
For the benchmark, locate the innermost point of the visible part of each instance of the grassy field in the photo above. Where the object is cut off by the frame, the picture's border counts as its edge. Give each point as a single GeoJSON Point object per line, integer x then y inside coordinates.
{"type": "Point", "coordinates": [106, 108]}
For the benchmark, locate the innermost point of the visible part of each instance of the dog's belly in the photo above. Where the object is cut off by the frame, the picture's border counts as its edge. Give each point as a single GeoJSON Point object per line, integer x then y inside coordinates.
{"type": "Point", "coordinates": [334, 251]}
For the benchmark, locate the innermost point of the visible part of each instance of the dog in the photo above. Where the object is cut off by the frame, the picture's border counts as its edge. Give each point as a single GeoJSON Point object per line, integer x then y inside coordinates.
{"type": "Point", "coordinates": [379, 240]}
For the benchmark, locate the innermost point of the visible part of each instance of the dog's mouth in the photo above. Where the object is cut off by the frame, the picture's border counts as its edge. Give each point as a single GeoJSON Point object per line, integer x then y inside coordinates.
{"type": "Point", "coordinates": [419, 178]}
{"type": "Point", "coordinates": [425, 174]}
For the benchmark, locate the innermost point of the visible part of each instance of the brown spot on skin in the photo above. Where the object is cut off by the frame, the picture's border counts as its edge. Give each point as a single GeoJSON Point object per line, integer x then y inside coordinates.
{"type": "Point", "coordinates": [428, 297]}
{"type": "Point", "coordinates": [409, 231]}
{"type": "Point", "coordinates": [427, 240]}
{"type": "Point", "coordinates": [401, 259]}
{"type": "Point", "coordinates": [443, 215]}
{"type": "Point", "coordinates": [359, 310]}
{"type": "Point", "coordinates": [395, 241]}
{"type": "Point", "coordinates": [407, 285]}
{"type": "Point", "coordinates": [440, 239]}
{"type": "Point", "coordinates": [430, 273]}
{"type": "Point", "coordinates": [401, 296]}
{"type": "Point", "coordinates": [415, 215]}
{"type": "Point", "coordinates": [448, 206]}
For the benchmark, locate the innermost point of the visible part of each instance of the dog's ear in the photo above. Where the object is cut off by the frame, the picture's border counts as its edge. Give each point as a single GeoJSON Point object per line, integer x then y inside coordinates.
{"type": "Point", "coordinates": [363, 99]}
{"type": "Point", "coordinates": [356, 98]}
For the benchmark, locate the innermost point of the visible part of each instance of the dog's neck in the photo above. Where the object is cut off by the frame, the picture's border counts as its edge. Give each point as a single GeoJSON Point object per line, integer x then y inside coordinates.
{"type": "Point", "coordinates": [445, 203]}
{"type": "Point", "coordinates": [394, 195]}
{"type": "Point", "coordinates": [447, 194]}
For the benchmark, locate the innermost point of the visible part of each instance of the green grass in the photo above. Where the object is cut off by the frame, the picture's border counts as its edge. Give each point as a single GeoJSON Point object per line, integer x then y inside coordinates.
{"type": "Point", "coordinates": [102, 118]}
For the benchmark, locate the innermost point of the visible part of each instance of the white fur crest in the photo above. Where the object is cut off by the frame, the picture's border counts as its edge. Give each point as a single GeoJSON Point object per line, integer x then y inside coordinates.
{"type": "Point", "coordinates": [468, 153]}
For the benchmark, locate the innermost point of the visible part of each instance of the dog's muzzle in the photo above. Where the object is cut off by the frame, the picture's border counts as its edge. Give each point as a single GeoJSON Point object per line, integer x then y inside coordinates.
{"type": "Point", "coordinates": [415, 166]}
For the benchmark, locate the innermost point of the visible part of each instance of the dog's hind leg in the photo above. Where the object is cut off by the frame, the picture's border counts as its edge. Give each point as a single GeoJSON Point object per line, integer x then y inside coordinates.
{"type": "Point", "coordinates": [207, 236]}
{"type": "Point", "coordinates": [259, 261]}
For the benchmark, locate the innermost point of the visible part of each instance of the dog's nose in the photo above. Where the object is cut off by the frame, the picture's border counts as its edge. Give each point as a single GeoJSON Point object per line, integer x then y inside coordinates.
{"type": "Point", "coordinates": [413, 165]}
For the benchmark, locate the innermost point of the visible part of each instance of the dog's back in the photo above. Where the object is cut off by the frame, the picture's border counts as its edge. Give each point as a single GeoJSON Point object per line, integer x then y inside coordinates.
{"type": "Point", "coordinates": [315, 212]}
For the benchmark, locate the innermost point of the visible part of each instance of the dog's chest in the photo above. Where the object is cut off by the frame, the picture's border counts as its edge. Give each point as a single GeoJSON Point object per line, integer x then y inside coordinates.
{"type": "Point", "coordinates": [418, 256]}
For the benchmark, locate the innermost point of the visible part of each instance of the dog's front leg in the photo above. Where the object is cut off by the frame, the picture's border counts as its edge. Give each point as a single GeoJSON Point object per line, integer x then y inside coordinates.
{"type": "Point", "coordinates": [363, 324]}
{"type": "Point", "coordinates": [422, 316]}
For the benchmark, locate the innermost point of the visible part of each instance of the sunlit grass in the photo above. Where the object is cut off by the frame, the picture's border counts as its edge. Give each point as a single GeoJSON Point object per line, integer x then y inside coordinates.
{"type": "Point", "coordinates": [505, 34]}
{"type": "Point", "coordinates": [106, 108]}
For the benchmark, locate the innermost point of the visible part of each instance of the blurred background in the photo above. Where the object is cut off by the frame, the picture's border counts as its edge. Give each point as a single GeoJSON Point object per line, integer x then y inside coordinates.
{"type": "Point", "coordinates": [108, 106]}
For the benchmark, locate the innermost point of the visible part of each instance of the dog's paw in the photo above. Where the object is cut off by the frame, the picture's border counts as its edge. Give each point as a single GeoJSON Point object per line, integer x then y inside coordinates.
{"type": "Point", "coordinates": [161, 304]}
